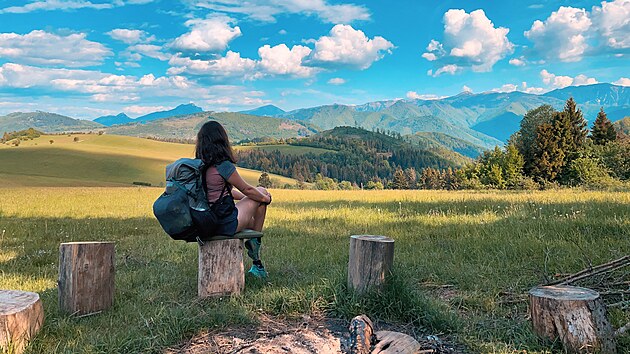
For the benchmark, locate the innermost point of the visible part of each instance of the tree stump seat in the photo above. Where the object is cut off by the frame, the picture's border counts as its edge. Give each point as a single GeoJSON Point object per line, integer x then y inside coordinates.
{"type": "Point", "coordinates": [370, 262]}
{"type": "Point", "coordinates": [221, 270]}
{"type": "Point", "coordinates": [246, 234]}
{"type": "Point", "coordinates": [575, 316]}
{"type": "Point", "coordinates": [86, 277]}
{"type": "Point", "coordinates": [21, 317]}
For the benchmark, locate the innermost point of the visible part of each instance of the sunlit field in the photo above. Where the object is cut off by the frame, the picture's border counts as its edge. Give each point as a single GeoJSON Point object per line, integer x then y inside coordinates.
{"type": "Point", "coordinates": [95, 160]}
{"type": "Point", "coordinates": [481, 245]}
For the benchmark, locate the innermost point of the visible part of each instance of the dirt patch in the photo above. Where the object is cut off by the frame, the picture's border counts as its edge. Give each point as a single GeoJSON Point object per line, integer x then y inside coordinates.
{"type": "Point", "coordinates": [307, 335]}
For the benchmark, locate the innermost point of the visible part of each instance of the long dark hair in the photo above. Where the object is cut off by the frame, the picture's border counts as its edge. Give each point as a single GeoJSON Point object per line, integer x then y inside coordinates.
{"type": "Point", "coordinates": [213, 145]}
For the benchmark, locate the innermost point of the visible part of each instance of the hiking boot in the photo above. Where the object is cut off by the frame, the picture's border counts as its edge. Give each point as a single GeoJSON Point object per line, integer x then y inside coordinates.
{"type": "Point", "coordinates": [258, 271]}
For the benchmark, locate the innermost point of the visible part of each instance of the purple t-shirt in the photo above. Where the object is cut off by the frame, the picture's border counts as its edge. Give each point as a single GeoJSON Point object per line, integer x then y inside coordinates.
{"type": "Point", "coordinates": [216, 177]}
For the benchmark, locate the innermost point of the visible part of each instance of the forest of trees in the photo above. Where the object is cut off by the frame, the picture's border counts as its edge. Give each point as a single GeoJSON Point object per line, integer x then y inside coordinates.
{"type": "Point", "coordinates": [550, 149]}
{"type": "Point", "coordinates": [359, 157]}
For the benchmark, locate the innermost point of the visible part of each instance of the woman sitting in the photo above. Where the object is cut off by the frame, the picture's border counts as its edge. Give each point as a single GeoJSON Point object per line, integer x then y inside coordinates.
{"type": "Point", "coordinates": [214, 149]}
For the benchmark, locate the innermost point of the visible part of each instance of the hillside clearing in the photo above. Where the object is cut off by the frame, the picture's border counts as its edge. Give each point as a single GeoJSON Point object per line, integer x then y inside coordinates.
{"type": "Point", "coordinates": [457, 255]}
{"type": "Point", "coordinates": [96, 160]}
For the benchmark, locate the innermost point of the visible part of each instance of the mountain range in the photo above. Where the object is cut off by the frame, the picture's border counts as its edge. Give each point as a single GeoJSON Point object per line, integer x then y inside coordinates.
{"type": "Point", "coordinates": [466, 123]}
{"type": "Point", "coordinates": [122, 118]}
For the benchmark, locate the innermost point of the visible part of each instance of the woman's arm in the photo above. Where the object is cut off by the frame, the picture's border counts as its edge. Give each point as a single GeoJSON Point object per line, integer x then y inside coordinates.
{"type": "Point", "coordinates": [247, 189]}
{"type": "Point", "coordinates": [237, 195]}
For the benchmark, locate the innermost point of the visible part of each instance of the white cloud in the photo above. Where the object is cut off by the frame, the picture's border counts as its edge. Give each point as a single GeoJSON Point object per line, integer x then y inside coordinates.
{"type": "Point", "coordinates": [266, 11]}
{"type": "Point", "coordinates": [505, 88]}
{"type": "Point", "coordinates": [517, 62]}
{"type": "Point", "coordinates": [429, 56]}
{"type": "Point", "coordinates": [466, 89]}
{"type": "Point", "coordinates": [533, 90]}
{"type": "Point", "coordinates": [336, 81]}
{"type": "Point", "coordinates": [149, 50]}
{"type": "Point", "coordinates": [280, 60]}
{"type": "Point", "coordinates": [470, 40]}
{"type": "Point", "coordinates": [48, 5]}
{"type": "Point", "coordinates": [95, 82]}
{"type": "Point", "coordinates": [612, 20]}
{"type": "Point", "coordinates": [556, 81]}
{"type": "Point", "coordinates": [108, 97]}
{"type": "Point", "coordinates": [130, 36]}
{"type": "Point", "coordinates": [68, 5]}
{"type": "Point", "coordinates": [562, 34]}
{"type": "Point", "coordinates": [413, 95]}
{"type": "Point", "coordinates": [623, 81]}
{"type": "Point", "coordinates": [448, 69]}
{"type": "Point", "coordinates": [142, 110]}
{"type": "Point", "coordinates": [40, 47]}
{"type": "Point", "coordinates": [212, 34]}
{"type": "Point", "coordinates": [347, 47]}
{"type": "Point", "coordinates": [231, 65]}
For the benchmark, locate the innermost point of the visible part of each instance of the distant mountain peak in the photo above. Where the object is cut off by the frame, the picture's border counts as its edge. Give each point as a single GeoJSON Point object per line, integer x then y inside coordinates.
{"type": "Point", "coordinates": [266, 110]}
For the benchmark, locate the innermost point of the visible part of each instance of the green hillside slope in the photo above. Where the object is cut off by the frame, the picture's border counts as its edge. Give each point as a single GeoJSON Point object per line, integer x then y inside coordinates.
{"type": "Point", "coordinates": [238, 125]}
{"type": "Point", "coordinates": [431, 140]}
{"type": "Point", "coordinates": [94, 160]}
{"type": "Point", "coordinates": [44, 121]}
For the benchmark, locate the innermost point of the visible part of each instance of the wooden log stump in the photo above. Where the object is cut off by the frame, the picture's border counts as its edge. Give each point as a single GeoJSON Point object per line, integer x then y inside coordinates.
{"type": "Point", "coordinates": [21, 317]}
{"type": "Point", "coordinates": [221, 269]}
{"type": "Point", "coordinates": [575, 316]}
{"type": "Point", "coordinates": [86, 277]}
{"type": "Point", "coordinates": [371, 260]}
{"type": "Point", "coordinates": [361, 332]}
{"type": "Point", "coordinates": [388, 342]}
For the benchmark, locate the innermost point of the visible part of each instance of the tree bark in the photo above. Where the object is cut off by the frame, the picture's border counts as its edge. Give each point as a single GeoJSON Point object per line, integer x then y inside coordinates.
{"type": "Point", "coordinates": [86, 277]}
{"type": "Point", "coordinates": [371, 260]}
{"type": "Point", "coordinates": [21, 317]}
{"type": "Point", "coordinates": [221, 269]}
{"type": "Point", "coordinates": [575, 316]}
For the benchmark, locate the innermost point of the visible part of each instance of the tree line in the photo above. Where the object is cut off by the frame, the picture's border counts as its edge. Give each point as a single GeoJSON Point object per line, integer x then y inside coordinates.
{"type": "Point", "coordinates": [551, 148]}
{"type": "Point", "coordinates": [360, 159]}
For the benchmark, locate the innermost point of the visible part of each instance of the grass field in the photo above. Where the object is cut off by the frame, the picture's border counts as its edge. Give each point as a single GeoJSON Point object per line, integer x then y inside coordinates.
{"type": "Point", "coordinates": [95, 160]}
{"type": "Point", "coordinates": [481, 244]}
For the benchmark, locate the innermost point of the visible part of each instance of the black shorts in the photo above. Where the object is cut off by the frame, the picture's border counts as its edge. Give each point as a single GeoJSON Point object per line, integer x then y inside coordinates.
{"type": "Point", "coordinates": [228, 228]}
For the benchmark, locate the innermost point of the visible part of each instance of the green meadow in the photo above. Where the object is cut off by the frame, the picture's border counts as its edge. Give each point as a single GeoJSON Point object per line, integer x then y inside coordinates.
{"type": "Point", "coordinates": [456, 256]}
{"type": "Point", "coordinates": [95, 160]}
{"type": "Point", "coordinates": [463, 260]}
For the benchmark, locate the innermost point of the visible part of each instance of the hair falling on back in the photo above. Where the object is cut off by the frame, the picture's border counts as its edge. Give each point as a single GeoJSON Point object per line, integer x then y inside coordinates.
{"type": "Point", "coordinates": [213, 145]}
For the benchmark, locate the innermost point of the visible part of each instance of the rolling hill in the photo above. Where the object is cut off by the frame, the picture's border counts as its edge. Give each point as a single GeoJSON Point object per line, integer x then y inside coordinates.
{"type": "Point", "coordinates": [239, 126]}
{"type": "Point", "coordinates": [44, 121]}
{"type": "Point", "coordinates": [95, 160]}
{"type": "Point", "coordinates": [350, 154]}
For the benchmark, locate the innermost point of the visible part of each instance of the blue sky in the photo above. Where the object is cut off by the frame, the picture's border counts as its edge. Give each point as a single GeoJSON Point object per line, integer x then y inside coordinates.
{"type": "Point", "coordinates": [87, 58]}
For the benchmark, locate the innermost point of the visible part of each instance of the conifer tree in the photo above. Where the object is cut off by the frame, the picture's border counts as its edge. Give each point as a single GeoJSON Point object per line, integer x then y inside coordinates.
{"type": "Point", "coordinates": [551, 147]}
{"type": "Point", "coordinates": [525, 138]}
{"type": "Point", "coordinates": [603, 130]}
{"type": "Point", "coordinates": [400, 180]}
{"type": "Point", "coordinates": [264, 180]}
{"type": "Point", "coordinates": [578, 129]}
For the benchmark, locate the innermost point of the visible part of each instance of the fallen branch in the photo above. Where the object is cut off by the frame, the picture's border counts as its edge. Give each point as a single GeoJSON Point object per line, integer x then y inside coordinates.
{"type": "Point", "coordinates": [591, 271]}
